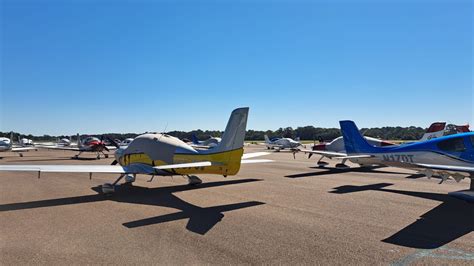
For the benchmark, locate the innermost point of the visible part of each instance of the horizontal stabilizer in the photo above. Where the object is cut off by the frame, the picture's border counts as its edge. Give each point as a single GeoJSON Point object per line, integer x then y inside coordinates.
{"type": "Point", "coordinates": [256, 161]}
{"type": "Point", "coordinates": [253, 155]}
{"type": "Point", "coordinates": [186, 165]}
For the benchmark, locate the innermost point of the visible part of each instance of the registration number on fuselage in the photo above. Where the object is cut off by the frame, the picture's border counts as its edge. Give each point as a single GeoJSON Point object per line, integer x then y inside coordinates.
{"type": "Point", "coordinates": [402, 158]}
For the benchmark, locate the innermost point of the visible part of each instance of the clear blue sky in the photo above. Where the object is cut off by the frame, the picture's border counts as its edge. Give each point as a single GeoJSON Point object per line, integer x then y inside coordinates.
{"type": "Point", "coordinates": [109, 66]}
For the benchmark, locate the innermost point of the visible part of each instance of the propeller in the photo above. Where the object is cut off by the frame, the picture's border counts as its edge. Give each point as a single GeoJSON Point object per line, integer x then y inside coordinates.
{"type": "Point", "coordinates": [103, 144]}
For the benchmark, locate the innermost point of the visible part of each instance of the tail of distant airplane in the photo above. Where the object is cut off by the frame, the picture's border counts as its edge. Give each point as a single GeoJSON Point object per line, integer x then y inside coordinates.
{"type": "Point", "coordinates": [463, 128]}
{"type": "Point", "coordinates": [194, 139]}
{"type": "Point", "coordinates": [436, 130]}
{"type": "Point", "coordinates": [11, 138]}
{"type": "Point", "coordinates": [354, 141]}
{"type": "Point", "coordinates": [79, 144]}
{"type": "Point", "coordinates": [267, 140]}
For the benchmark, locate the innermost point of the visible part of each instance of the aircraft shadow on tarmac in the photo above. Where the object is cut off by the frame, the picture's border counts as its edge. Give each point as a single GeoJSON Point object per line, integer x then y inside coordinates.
{"type": "Point", "coordinates": [201, 220]}
{"type": "Point", "coordinates": [452, 219]}
{"type": "Point", "coordinates": [330, 171]}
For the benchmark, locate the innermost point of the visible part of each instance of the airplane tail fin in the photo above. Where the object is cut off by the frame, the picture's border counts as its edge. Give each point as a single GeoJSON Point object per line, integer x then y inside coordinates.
{"type": "Point", "coordinates": [435, 130]}
{"type": "Point", "coordinates": [194, 139]}
{"type": "Point", "coordinates": [267, 140]}
{"type": "Point", "coordinates": [353, 140]}
{"type": "Point", "coordinates": [11, 138]}
{"type": "Point", "coordinates": [234, 134]}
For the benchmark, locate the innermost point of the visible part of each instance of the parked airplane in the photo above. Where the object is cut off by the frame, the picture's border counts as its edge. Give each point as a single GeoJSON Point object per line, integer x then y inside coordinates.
{"type": "Point", "coordinates": [206, 144]}
{"type": "Point", "coordinates": [447, 156]}
{"type": "Point", "coordinates": [126, 142]}
{"type": "Point", "coordinates": [89, 144]}
{"type": "Point", "coordinates": [161, 154]}
{"type": "Point", "coordinates": [6, 144]}
{"type": "Point", "coordinates": [65, 142]}
{"type": "Point", "coordinates": [336, 148]}
{"type": "Point", "coordinates": [24, 142]}
{"type": "Point", "coordinates": [281, 143]}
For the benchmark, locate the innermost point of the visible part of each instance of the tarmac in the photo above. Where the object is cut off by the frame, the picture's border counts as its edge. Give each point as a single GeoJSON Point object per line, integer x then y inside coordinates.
{"type": "Point", "coordinates": [285, 212]}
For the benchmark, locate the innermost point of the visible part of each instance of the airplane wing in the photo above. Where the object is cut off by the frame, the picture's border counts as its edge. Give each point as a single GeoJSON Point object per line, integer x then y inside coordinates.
{"type": "Point", "coordinates": [328, 154]}
{"type": "Point", "coordinates": [65, 148]}
{"type": "Point", "coordinates": [464, 169]}
{"type": "Point", "coordinates": [20, 149]}
{"type": "Point", "coordinates": [112, 169]}
{"type": "Point", "coordinates": [355, 156]}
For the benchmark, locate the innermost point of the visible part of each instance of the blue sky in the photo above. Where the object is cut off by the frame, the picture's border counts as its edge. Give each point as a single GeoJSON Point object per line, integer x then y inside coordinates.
{"type": "Point", "coordinates": [109, 66]}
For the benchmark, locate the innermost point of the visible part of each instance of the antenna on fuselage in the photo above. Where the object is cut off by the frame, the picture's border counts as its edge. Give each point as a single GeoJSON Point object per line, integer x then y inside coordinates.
{"type": "Point", "coordinates": [164, 131]}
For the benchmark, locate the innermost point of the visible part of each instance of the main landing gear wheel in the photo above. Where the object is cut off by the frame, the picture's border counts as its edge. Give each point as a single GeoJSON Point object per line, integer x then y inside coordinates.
{"type": "Point", "coordinates": [194, 180]}
{"type": "Point", "coordinates": [108, 188]}
{"type": "Point", "coordinates": [322, 164]}
{"type": "Point", "coordinates": [129, 179]}
{"type": "Point", "coordinates": [342, 166]}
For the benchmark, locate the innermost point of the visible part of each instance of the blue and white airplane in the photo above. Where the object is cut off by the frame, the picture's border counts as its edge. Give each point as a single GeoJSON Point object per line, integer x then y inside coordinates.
{"type": "Point", "coordinates": [448, 156]}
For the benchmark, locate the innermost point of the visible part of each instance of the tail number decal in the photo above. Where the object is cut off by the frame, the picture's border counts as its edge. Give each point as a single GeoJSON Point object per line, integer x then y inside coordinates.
{"type": "Point", "coordinates": [402, 158]}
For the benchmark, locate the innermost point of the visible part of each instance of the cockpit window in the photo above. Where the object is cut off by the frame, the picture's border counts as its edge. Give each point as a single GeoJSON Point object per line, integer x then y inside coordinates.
{"type": "Point", "coordinates": [456, 144]}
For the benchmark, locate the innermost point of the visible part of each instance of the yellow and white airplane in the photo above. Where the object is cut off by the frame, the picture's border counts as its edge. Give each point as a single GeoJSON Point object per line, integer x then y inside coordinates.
{"type": "Point", "coordinates": [164, 155]}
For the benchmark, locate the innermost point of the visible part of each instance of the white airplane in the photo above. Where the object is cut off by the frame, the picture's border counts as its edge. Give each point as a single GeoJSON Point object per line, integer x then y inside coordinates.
{"type": "Point", "coordinates": [65, 142]}
{"type": "Point", "coordinates": [281, 143]}
{"type": "Point", "coordinates": [205, 144]}
{"type": "Point", "coordinates": [164, 155]}
{"type": "Point", "coordinates": [6, 144]}
{"type": "Point", "coordinates": [24, 142]}
{"type": "Point", "coordinates": [336, 148]}
{"type": "Point", "coordinates": [126, 142]}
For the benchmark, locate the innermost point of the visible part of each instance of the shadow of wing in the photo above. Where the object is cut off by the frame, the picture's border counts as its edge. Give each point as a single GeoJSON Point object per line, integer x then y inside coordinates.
{"type": "Point", "coordinates": [450, 220]}
{"type": "Point", "coordinates": [51, 202]}
{"type": "Point", "coordinates": [201, 220]}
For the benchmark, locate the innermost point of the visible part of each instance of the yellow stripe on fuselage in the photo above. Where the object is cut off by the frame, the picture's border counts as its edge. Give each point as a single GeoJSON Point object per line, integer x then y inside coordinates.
{"type": "Point", "coordinates": [228, 162]}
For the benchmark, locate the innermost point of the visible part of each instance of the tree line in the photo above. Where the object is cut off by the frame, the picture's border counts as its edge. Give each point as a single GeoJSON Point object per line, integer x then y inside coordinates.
{"type": "Point", "coordinates": [304, 133]}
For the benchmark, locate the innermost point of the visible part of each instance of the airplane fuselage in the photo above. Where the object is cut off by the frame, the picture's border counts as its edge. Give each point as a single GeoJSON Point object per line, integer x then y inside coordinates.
{"type": "Point", "coordinates": [151, 150]}
{"type": "Point", "coordinates": [456, 150]}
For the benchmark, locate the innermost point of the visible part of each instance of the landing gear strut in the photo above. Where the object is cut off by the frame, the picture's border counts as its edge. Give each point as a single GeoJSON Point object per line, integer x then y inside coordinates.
{"type": "Point", "coordinates": [342, 165]}
{"type": "Point", "coordinates": [77, 155]}
{"type": "Point", "coordinates": [193, 180]}
{"type": "Point", "coordinates": [321, 163]}
{"type": "Point", "coordinates": [108, 188]}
